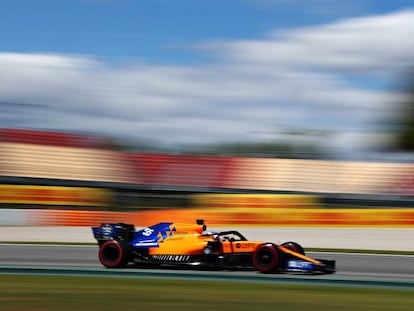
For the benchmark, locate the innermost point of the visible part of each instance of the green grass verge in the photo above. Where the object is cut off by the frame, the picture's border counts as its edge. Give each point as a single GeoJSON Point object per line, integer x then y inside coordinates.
{"type": "Point", "coordinates": [75, 293]}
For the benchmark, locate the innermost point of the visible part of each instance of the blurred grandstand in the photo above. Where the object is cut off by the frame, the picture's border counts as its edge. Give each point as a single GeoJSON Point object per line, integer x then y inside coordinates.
{"type": "Point", "coordinates": [43, 169]}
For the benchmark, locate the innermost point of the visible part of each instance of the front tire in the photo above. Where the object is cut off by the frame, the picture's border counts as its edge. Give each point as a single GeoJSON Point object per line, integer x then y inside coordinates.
{"type": "Point", "coordinates": [114, 254]}
{"type": "Point", "coordinates": [266, 258]}
{"type": "Point", "coordinates": [293, 246]}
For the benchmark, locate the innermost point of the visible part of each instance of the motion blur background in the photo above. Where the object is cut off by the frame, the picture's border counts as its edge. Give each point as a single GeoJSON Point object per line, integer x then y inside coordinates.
{"type": "Point", "coordinates": [269, 112]}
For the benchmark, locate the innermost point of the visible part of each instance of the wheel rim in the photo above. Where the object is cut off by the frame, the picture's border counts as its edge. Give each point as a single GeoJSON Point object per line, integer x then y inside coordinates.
{"type": "Point", "coordinates": [110, 254]}
{"type": "Point", "coordinates": [266, 258]}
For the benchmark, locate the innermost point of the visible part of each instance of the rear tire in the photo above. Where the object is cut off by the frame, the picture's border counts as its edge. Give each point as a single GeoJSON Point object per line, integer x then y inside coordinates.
{"type": "Point", "coordinates": [115, 254]}
{"type": "Point", "coordinates": [266, 258]}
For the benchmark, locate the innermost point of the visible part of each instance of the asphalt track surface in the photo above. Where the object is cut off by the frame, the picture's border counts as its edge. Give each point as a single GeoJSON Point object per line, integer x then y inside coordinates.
{"type": "Point", "coordinates": [350, 267]}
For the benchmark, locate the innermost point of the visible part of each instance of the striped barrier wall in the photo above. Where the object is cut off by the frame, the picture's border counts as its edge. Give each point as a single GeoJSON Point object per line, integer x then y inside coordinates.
{"type": "Point", "coordinates": [398, 218]}
{"type": "Point", "coordinates": [54, 195]}
{"type": "Point", "coordinates": [220, 200]}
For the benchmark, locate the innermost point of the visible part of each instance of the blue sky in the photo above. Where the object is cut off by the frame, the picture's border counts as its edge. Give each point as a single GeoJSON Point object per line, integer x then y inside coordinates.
{"type": "Point", "coordinates": [190, 71]}
{"type": "Point", "coordinates": [161, 30]}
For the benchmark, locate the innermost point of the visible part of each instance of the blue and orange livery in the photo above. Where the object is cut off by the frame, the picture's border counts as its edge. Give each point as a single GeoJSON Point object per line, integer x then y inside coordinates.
{"type": "Point", "coordinates": [170, 244]}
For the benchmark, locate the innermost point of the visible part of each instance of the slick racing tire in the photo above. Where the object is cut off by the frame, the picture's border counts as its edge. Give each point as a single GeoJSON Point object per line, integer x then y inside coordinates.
{"type": "Point", "coordinates": [266, 258]}
{"type": "Point", "coordinates": [293, 246]}
{"type": "Point", "coordinates": [115, 254]}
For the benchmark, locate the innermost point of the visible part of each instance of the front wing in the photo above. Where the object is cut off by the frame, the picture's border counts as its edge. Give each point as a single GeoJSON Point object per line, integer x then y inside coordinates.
{"type": "Point", "coordinates": [240, 261]}
{"type": "Point", "coordinates": [325, 266]}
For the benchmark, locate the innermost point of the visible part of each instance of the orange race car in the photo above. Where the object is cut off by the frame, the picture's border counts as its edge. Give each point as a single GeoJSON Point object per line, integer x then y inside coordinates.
{"type": "Point", "coordinates": [170, 244]}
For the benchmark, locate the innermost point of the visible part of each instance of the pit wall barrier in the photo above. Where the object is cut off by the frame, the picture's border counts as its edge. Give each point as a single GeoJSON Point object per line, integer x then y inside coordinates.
{"type": "Point", "coordinates": [54, 195]}
{"type": "Point", "coordinates": [315, 217]}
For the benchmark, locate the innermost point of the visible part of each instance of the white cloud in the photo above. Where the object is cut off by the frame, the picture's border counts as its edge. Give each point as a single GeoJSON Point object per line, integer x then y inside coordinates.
{"type": "Point", "coordinates": [357, 44]}
{"type": "Point", "coordinates": [292, 79]}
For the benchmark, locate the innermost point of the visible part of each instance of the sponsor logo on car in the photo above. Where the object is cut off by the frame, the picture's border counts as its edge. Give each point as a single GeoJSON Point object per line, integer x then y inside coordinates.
{"type": "Point", "coordinates": [106, 229]}
{"type": "Point", "coordinates": [146, 244]}
{"type": "Point", "coordinates": [300, 265]}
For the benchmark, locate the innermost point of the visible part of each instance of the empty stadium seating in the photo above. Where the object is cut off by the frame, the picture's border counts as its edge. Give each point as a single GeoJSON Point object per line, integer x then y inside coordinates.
{"type": "Point", "coordinates": [60, 156]}
{"type": "Point", "coordinates": [50, 155]}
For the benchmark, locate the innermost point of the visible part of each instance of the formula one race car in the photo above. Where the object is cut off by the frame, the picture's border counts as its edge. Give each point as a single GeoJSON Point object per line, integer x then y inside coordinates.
{"type": "Point", "coordinates": [170, 244]}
